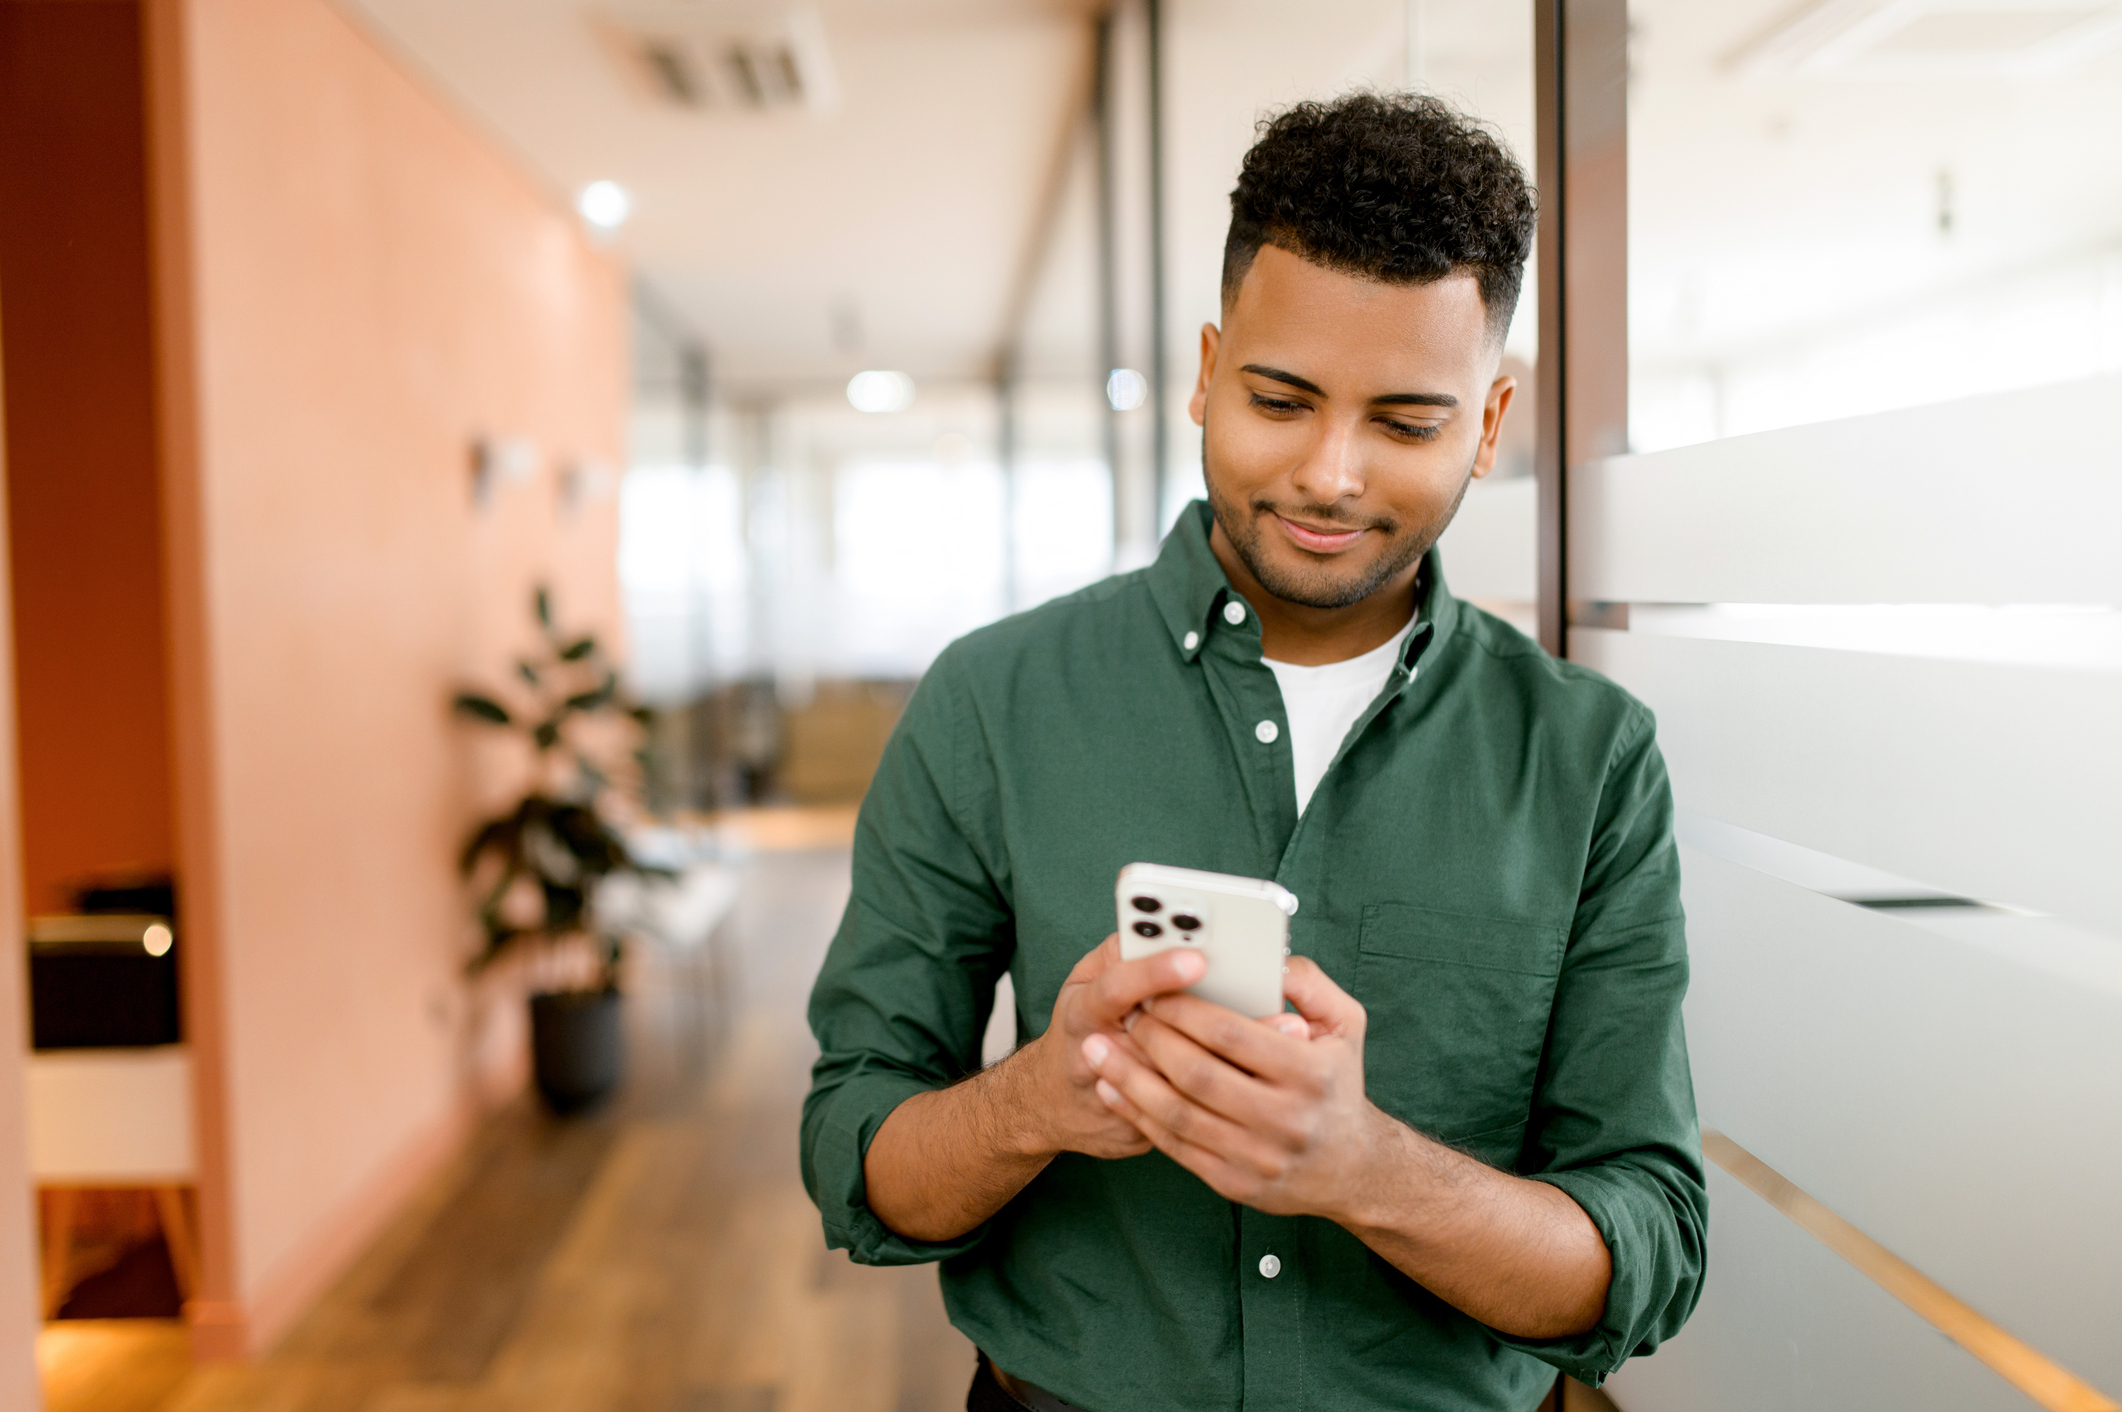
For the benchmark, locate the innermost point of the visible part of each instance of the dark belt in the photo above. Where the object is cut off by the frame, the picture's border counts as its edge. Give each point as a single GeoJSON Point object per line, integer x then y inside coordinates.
{"type": "Point", "coordinates": [996, 1391]}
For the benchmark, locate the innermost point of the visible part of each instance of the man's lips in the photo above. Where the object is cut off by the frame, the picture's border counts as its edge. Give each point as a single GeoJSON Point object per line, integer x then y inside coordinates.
{"type": "Point", "coordinates": [1317, 541]}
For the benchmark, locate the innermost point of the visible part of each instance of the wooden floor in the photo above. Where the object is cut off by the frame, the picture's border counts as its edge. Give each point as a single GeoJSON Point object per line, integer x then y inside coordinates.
{"type": "Point", "coordinates": [659, 1257]}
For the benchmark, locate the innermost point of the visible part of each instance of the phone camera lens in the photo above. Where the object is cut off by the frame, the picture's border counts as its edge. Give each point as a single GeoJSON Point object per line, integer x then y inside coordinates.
{"type": "Point", "coordinates": [1148, 929]}
{"type": "Point", "coordinates": [1147, 904]}
{"type": "Point", "coordinates": [1185, 922]}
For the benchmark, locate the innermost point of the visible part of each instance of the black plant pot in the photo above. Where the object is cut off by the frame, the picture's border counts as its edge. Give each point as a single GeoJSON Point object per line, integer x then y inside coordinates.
{"type": "Point", "coordinates": [578, 1049]}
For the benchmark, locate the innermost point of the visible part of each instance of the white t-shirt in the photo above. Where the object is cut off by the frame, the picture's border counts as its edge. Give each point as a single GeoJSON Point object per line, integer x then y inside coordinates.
{"type": "Point", "coordinates": [1323, 702]}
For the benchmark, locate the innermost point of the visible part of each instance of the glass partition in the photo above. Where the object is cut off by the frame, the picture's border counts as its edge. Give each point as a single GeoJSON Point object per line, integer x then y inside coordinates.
{"type": "Point", "coordinates": [1860, 205]}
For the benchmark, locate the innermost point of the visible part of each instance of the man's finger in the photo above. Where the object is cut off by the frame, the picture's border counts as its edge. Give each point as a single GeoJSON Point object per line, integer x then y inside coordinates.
{"type": "Point", "coordinates": [1331, 1009]}
{"type": "Point", "coordinates": [1092, 1055]}
{"type": "Point", "coordinates": [1200, 1076]}
{"type": "Point", "coordinates": [1096, 961]}
{"type": "Point", "coordinates": [1149, 1092]}
{"type": "Point", "coordinates": [1260, 1047]}
{"type": "Point", "coordinates": [1127, 984]}
{"type": "Point", "coordinates": [1219, 1174]}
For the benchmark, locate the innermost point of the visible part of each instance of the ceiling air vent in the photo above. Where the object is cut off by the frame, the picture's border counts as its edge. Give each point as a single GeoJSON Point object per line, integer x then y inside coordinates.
{"type": "Point", "coordinates": [709, 58]}
{"type": "Point", "coordinates": [1932, 39]}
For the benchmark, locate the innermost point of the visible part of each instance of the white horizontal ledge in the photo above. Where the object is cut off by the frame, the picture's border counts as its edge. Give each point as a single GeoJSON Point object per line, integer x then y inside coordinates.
{"type": "Point", "coordinates": [2012, 498]}
{"type": "Point", "coordinates": [1998, 783]}
{"type": "Point", "coordinates": [2019, 634]}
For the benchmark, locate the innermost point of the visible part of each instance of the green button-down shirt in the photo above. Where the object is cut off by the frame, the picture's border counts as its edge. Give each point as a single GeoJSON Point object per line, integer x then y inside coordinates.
{"type": "Point", "coordinates": [1488, 866]}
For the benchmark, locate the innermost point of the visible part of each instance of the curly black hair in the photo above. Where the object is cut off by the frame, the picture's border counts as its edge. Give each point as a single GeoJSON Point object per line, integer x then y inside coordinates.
{"type": "Point", "coordinates": [1398, 187]}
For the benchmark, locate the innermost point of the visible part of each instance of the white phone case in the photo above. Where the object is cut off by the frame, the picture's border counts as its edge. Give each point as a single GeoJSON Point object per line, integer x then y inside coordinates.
{"type": "Point", "coordinates": [1240, 924]}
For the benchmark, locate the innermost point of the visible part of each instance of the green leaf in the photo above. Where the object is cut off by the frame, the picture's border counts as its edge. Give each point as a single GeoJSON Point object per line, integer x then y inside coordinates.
{"type": "Point", "coordinates": [490, 905]}
{"type": "Point", "coordinates": [590, 772]}
{"type": "Point", "coordinates": [479, 707]}
{"type": "Point", "coordinates": [592, 700]}
{"type": "Point", "coordinates": [542, 606]}
{"type": "Point", "coordinates": [503, 835]}
{"type": "Point", "coordinates": [589, 839]}
{"type": "Point", "coordinates": [578, 649]}
{"type": "Point", "coordinates": [564, 905]}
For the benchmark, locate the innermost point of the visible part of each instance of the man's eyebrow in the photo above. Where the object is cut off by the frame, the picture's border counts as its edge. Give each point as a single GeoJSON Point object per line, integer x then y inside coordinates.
{"type": "Point", "coordinates": [1390, 399]}
{"type": "Point", "coordinates": [1277, 375]}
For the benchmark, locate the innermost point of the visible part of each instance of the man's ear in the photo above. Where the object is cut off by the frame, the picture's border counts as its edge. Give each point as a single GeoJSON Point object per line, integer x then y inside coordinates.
{"type": "Point", "coordinates": [1493, 409]}
{"type": "Point", "coordinates": [1197, 406]}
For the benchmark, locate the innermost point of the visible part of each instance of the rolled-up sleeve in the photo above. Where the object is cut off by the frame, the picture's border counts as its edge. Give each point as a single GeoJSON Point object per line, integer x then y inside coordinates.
{"type": "Point", "coordinates": [1613, 1120]}
{"type": "Point", "coordinates": [902, 1001]}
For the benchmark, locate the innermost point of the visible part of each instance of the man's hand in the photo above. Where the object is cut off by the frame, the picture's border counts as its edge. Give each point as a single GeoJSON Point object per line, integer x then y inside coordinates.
{"type": "Point", "coordinates": [1053, 1086]}
{"type": "Point", "coordinates": [1272, 1113]}
{"type": "Point", "coordinates": [945, 1161]}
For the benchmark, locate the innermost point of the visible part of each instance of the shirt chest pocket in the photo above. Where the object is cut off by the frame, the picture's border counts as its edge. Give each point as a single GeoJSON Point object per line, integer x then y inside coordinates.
{"type": "Point", "coordinates": [1458, 1008]}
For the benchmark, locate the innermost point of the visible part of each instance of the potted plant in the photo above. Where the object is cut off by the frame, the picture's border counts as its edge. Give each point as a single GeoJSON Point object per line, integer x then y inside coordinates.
{"type": "Point", "coordinates": [538, 866]}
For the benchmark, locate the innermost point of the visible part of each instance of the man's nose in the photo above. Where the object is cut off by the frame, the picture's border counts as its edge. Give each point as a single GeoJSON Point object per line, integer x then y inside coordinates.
{"type": "Point", "coordinates": [1332, 468]}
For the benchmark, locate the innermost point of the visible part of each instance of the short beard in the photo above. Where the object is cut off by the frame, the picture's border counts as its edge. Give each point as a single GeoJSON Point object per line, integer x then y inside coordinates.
{"type": "Point", "coordinates": [1321, 589]}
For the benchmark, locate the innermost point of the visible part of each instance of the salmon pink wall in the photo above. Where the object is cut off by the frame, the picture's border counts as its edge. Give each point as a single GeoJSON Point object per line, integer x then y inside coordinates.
{"type": "Point", "coordinates": [367, 287]}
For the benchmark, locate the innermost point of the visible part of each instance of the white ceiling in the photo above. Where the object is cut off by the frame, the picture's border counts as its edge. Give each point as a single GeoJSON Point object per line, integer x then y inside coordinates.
{"type": "Point", "coordinates": [903, 216]}
{"type": "Point", "coordinates": [802, 247]}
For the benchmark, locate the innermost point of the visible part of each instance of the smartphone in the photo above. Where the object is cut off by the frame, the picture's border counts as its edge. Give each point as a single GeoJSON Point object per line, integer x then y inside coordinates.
{"type": "Point", "coordinates": [1240, 924]}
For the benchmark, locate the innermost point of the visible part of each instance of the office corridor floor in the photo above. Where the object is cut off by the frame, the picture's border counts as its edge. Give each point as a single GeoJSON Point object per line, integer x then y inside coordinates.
{"type": "Point", "coordinates": [658, 1257]}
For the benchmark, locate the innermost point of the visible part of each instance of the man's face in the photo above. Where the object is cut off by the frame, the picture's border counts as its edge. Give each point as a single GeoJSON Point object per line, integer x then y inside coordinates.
{"type": "Point", "coordinates": [1342, 420]}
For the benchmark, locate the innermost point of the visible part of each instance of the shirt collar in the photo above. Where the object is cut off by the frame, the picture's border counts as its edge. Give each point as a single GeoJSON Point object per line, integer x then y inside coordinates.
{"type": "Point", "coordinates": [1190, 589]}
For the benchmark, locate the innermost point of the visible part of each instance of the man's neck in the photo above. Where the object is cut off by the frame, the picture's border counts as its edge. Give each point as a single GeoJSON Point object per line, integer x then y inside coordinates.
{"type": "Point", "coordinates": [1312, 637]}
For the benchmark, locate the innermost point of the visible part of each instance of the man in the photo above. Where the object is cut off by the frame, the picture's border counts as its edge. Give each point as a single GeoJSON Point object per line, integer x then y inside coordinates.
{"type": "Point", "coordinates": [1469, 1157]}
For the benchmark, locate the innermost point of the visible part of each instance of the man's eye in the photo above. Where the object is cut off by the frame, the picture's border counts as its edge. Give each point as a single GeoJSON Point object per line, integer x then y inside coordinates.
{"type": "Point", "coordinates": [1276, 404]}
{"type": "Point", "coordinates": [1408, 431]}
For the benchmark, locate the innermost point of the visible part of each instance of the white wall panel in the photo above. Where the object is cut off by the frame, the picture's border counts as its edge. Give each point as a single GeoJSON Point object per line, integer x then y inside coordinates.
{"type": "Point", "coordinates": [1785, 1325]}
{"type": "Point", "coordinates": [1955, 1105]}
{"type": "Point", "coordinates": [2015, 498]}
{"type": "Point", "coordinates": [2001, 783]}
{"type": "Point", "coordinates": [1490, 549]}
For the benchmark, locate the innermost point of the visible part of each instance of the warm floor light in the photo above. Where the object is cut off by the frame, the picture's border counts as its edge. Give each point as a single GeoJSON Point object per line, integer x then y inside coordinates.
{"type": "Point", "coordinates": [1125, 388]}
{"type": "Point", "coordinates": [156, 940]}
{"type": "Point", "coordinates": [605, 204]}
{"type": "Point", "coordinates": [878, 391]}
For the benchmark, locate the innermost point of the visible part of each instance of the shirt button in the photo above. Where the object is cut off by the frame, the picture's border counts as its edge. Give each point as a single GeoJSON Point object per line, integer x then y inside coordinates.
{"type": "Point", "coordinates": [1266, 732]}
{"type": "Point", "coordinates": [1193, 640]}
{"type": "Point", "coordinates": [1234, 613]}
{"type": "Point", "coordinates": [1270, 1266]}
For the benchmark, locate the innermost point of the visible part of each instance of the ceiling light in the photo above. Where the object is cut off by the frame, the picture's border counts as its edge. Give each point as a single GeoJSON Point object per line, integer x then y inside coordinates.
{"type": "Point", "coordinates": [605, 204]}
{"type": "Point", "coordinates": [156, 940]}
{"type": "Point", "coordinates": [877, 391]}
{"type": "Point", "coordinates": [1125, 388]}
